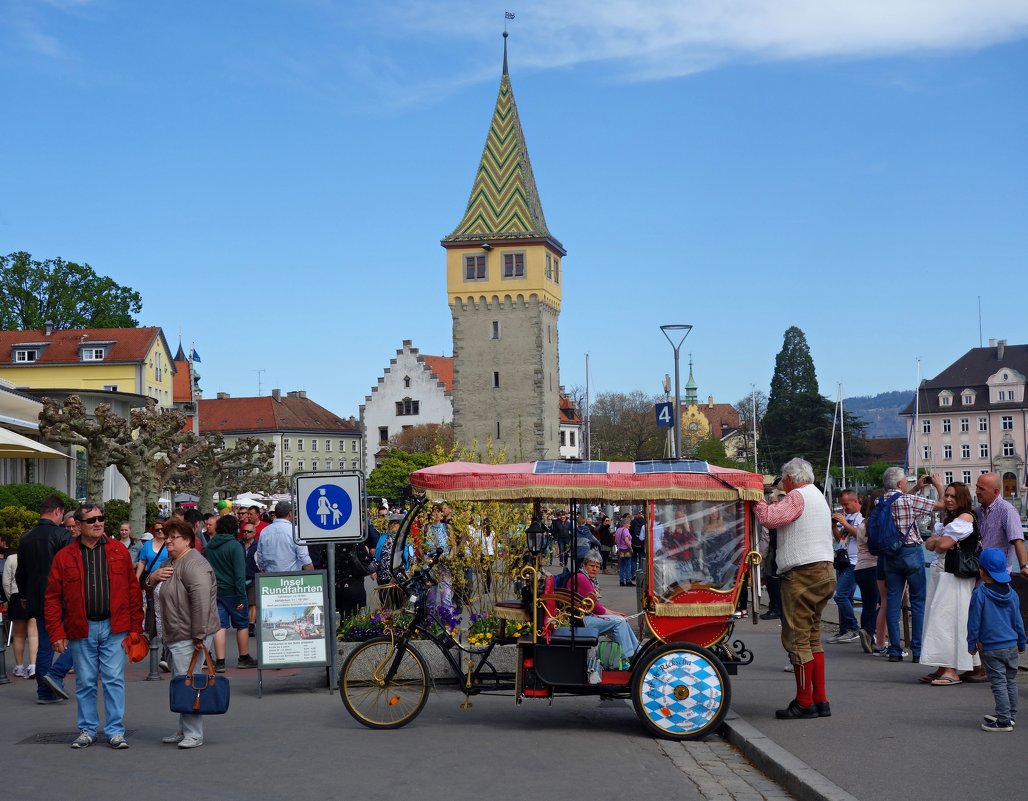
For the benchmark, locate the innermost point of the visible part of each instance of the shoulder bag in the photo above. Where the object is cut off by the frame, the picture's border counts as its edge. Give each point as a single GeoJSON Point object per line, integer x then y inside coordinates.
{"type": "Point", "coordinates": [962, 560]}
{"type": "Point", "coordinates": [203, 693]}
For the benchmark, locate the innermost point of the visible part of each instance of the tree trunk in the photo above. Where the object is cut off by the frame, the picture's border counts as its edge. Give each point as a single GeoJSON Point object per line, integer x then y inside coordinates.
{"type": "Point", "coordinates": [96, 466]}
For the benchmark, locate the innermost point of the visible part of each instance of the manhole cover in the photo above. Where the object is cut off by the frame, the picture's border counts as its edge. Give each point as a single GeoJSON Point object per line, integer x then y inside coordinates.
{"type": "Point", "coordinates": [56, 738]}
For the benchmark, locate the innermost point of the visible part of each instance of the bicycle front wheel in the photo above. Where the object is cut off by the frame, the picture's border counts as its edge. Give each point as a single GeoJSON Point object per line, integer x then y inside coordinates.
{"type": "Point", "coordinates": [374, 701]}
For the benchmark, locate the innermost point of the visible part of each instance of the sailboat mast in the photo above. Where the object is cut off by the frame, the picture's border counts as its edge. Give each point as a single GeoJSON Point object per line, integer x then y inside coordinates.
{"type": "Point", "coordinates": [842, 436]}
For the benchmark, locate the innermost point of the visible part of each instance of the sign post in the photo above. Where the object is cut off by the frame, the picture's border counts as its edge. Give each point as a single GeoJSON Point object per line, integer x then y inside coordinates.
{"type": "Point", "coordinates": [329, 508]}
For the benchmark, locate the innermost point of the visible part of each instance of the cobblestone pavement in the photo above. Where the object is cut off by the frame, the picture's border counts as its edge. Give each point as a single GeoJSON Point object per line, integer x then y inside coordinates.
{"type": "Point", "coordinates": [721, 773]}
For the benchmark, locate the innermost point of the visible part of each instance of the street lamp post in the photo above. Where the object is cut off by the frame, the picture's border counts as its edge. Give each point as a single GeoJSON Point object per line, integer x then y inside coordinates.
{"type": "Point", "coordinates": [672, 333]}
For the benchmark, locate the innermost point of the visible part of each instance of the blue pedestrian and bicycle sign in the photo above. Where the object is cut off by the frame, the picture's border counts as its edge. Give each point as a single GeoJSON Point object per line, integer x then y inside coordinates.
{"type": "Point", "coordinates": [329, 507]}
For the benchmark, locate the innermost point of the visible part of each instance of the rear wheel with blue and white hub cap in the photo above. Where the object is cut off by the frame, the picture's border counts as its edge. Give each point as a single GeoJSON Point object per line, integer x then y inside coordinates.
{"type": "Point", "coordinates": [681, 691]}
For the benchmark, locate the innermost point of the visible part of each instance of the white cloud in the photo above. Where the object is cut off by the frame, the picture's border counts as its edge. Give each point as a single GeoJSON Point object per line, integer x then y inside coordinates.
{"type": "Point", "coordinates": [652, 39]}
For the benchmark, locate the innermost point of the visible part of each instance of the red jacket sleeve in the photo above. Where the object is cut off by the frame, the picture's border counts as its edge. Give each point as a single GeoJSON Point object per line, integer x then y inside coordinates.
{"type": "Point", "coordinates": [53, 605]}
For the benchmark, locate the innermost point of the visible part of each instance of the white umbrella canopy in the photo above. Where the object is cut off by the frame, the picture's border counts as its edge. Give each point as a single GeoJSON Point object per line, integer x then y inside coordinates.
{"type": "Point", "coordinates": [16, 446]}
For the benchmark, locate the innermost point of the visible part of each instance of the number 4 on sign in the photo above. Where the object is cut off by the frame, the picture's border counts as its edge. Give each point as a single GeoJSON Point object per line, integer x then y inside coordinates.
{"type": "Point", "coordinates": [665, 417]}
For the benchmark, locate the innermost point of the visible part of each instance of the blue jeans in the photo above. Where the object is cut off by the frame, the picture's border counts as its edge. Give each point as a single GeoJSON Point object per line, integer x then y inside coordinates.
{"type": "Point", "coordinates": [619, 628]}
{"type": "Point", "coordinates": [867, 581]}
{"type": "Point", "coordinates": [845, 585]}
{"type": "Point", "coordinates": [45, 662]}
{"type": "Point", "coordinates": [905, 568]}
{"type": "Point", "coordinates": [100, 655]}
{"type": "Point", "coordinates": [624, 569]}
{"type": "Point", "coordinates": [1001, 665]}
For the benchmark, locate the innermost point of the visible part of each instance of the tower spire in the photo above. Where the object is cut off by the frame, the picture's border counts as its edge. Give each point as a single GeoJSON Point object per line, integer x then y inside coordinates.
{"type": "Point", "coordinates": [504, 202]}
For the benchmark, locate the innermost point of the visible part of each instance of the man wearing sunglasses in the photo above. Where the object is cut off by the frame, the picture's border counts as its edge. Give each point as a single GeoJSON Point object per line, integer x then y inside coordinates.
{"type": "Point", "coordinates": [92, 601]}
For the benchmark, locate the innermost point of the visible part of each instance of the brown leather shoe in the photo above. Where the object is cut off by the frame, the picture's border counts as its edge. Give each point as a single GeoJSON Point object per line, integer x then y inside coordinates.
{"type": "Point", "coordinates": [976, 676]}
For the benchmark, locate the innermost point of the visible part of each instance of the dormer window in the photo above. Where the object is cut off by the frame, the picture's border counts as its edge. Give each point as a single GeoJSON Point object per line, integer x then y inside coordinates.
{"type": "Point", "coordinates": [967, 397]}
{"type": "Point", "coordinates": [26, 355]}
{"type": "Point", "coordinates": [93, 354]}
{"type": "Point", "coordinates": [945, 398]}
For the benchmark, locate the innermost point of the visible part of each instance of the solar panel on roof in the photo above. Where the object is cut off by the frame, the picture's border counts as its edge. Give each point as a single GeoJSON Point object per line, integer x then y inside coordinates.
{"type": "Point", "coordinates": [672, 466]}
{"type": "Point", "coordinates": [562, 467]}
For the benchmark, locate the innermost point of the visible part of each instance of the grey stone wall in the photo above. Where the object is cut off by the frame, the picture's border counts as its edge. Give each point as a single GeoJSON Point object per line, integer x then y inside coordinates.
{"type": "Point", "coordinates": [526, 404]}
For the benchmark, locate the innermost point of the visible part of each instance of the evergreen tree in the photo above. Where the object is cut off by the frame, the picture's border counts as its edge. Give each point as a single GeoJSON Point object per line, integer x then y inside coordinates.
{"type": "Point", "coordinates": [799, 419]}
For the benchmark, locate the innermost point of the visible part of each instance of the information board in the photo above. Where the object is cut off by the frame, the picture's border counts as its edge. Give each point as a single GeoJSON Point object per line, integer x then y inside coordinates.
{"type": "Point", "coordinates": [293, 629]}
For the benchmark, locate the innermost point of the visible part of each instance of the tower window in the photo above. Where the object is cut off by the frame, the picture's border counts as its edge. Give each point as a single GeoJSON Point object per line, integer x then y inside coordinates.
{"type": "Point", "coordinates": [513, 265]}
{"type": "Point", "coordinates": [549, 267]}
{"type": "Point", "coordinates": [474, 267]}
{"type": "Point", "coordinates": [497, 429]}
{"type": "Point", "coordinates": [496, 381]}
{"type": "Point", "coordinates": [556, 270]}
{"type": "Point", "coordinates": [496, 329]}
{"type": "Point", "coordinates": [406, 382]}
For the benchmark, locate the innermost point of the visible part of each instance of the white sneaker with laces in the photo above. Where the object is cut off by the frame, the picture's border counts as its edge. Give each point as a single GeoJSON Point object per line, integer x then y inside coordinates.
{"type": "Point", "coordinates": [190, 742]}
{"type": "Point", "coordinates": [20, 672]}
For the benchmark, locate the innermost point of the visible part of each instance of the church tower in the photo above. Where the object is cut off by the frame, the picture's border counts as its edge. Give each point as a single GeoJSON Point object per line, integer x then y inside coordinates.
{"type": "Point", "coordinates": [503, 279]}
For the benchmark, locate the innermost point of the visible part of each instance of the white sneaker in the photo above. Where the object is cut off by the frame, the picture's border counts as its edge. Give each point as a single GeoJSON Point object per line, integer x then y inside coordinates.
{"type": "Point", "coordinates": [30, 672]}
{"type": "Point", "coordinates": [20, 672]}
{"type": "Point", "coordinates": [190, 742]}
{"type": "Point", "coordinates": [845, 636]}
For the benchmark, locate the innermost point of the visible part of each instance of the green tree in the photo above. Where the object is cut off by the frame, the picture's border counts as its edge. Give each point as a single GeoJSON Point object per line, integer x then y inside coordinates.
{"type": "Point", "coordinates": [391, 477]}
{"type": "Point", "coordinates": [63, 293]}
{"type": "Point", "coordinates": [712, 451]}
{"type": "Point", "coordinates": [798, 421]}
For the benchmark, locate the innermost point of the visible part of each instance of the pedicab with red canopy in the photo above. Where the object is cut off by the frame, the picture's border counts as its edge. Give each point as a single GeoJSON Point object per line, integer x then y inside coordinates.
{"type": "Point", "coordinates": [700, 550]}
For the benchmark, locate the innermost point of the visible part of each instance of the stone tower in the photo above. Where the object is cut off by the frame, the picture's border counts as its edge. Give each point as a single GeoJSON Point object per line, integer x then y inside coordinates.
{"type": "Point", "coordinates": [503, 279]}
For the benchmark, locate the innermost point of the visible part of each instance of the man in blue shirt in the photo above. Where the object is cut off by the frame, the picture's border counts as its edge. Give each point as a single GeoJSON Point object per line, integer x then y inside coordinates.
{"type": "Point", "coordinates": [276, 551]}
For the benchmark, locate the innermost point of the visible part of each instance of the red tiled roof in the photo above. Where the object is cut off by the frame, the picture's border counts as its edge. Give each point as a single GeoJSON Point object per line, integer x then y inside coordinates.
{"type": "Point", "coordinates": [181, 391]}
{"type": "Point", "coordinates": [62, 346]}
{"type": "Point", "coordinates": [268, 414]}
{"type": "Point", "coordinates": [718, 414]}
{"type": "Point", "coordinates": [569, 411]}
{"type": "Point", "coordinates": [442, 366]}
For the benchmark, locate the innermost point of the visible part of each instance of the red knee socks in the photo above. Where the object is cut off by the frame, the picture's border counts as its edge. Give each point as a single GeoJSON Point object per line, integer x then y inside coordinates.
{"type": "Point", "coordinates": [817, 683]}
{"type": "Point", "coordinates": [804, 683]}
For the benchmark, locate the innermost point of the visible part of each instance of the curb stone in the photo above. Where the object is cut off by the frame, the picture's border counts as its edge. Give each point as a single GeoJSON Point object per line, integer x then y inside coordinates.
{"type": "Point", "coordinates": [795, 775]}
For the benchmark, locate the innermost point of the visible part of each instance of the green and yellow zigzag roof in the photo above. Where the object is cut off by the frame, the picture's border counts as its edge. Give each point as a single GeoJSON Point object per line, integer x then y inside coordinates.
{"type": "Point", "coordinates": [504, 202]}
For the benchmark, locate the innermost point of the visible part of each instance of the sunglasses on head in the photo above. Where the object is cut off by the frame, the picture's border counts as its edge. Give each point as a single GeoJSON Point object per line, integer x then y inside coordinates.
{"type": "Point", "coordinates": [93, 519]}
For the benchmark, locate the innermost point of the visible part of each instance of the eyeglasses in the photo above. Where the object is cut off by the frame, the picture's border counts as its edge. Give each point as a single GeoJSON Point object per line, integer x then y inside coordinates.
{"type": "Point", "coordinates": [175, 537]}
{"type": "Point", "coordinates": [249, 531]}
{"type": "Point", "coordinates": [157, 530]}
{"type": "Point", "coordinates": [94, 519]}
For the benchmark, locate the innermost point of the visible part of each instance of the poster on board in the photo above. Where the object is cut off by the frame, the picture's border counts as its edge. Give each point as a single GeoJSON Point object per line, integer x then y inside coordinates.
{"type": "Point", "coordinates": [292, 625]}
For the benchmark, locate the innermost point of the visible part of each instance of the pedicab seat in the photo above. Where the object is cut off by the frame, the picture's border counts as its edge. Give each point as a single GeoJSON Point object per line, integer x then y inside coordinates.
{"type": "Point", "coordinates": [584, 637]}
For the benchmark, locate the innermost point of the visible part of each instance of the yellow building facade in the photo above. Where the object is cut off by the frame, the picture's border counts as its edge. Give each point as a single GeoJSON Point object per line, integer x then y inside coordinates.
{"type": "Point", "coordinates": [132, 360]}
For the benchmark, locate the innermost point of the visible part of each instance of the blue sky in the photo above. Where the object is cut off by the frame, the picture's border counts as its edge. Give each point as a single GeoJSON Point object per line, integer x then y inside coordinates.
{"type": "Point", "coordinates": [275, 177]}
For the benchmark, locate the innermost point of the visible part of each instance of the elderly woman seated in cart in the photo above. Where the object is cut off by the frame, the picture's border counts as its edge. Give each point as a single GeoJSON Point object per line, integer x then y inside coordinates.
{"type": "Point", "coordinates": [604, 620]}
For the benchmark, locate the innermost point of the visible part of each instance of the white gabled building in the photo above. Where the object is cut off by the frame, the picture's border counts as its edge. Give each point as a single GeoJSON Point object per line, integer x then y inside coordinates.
{"type": "Point", "coordinates": [415, 389]}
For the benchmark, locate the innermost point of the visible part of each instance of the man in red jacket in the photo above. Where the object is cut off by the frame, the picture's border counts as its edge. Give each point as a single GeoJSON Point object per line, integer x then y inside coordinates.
{"type": "Point", "coordinates": [92, 601]}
